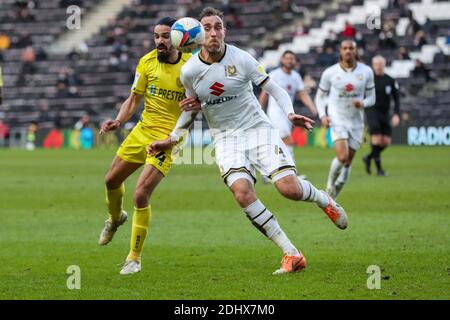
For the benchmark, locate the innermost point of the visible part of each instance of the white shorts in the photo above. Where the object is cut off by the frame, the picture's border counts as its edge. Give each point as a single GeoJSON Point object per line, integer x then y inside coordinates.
{"type": "Point", "coordinates": [354, 136]}
{"type": "Point", "coordinates": [240, 155]}
{"type": "Point", "coordinates": [280, 121]}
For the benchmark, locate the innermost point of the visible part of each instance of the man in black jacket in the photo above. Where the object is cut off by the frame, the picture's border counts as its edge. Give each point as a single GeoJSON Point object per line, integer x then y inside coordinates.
{"type": "Point", "coordinates": [378, 117]}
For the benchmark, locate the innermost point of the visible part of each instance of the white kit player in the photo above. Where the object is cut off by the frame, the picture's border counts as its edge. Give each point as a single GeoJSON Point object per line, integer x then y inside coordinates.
{"type": "Point", "coordinates": [291, 81]}
{"type": "Point", "coordinates": [346, 88]}
{"type": "Point", "coordinates": [220, 77]}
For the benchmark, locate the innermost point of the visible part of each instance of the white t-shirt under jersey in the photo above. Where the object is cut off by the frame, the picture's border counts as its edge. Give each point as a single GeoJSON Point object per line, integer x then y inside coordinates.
{"type": "Point", "coordinates": [344, 87]}
{"type": "Point", "coordinates": [225, 90]}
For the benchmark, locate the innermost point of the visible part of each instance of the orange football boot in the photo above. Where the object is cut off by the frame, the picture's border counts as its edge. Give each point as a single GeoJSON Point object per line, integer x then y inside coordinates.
{"type": "Point", "coordinates": [290, 264]}
{"type": "Point", "coordinates": [336, 213]}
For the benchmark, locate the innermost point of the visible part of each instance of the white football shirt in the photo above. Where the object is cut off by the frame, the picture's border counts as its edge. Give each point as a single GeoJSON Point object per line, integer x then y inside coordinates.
{"type": "Point", "coordinates": [344, 86]}
{"type": "Point", "coordinates": [291, 82]}
{"type": "Point", "coordinates": [225, 90]}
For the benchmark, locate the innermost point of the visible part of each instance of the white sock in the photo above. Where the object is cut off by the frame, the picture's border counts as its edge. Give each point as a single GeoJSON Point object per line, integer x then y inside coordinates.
{"type": "Point", "coordinates": [311, 194]}
{"type": "Point", "coordinates": [335, 170]}
{"type": "Point", "coordinates": [265, 222]}
{"type": "Point", "coordinates": [342, 179]}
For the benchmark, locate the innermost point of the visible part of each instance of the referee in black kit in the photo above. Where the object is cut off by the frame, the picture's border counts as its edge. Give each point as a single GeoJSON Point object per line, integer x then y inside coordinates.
{"type": "Point", "coordinates": [378, 116]}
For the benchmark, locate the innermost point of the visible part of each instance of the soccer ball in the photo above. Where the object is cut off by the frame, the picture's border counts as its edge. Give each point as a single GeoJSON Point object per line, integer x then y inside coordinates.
{"type": "Point", "coordinates": [187, 34]}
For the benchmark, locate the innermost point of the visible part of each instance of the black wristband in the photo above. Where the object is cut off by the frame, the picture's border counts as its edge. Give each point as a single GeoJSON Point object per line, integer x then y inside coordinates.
{"type": "Point", "coordinates": [120, 122]}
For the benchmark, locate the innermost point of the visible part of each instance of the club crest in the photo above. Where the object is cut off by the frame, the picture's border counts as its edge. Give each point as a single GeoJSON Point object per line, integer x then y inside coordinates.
{"type": "Point", "coordinates": [231, 70]}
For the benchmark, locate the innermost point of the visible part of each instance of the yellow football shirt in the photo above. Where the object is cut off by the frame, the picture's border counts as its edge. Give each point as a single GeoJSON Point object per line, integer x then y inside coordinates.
{"type": "Point", "coordinates": [163, 91]}
{"type": "Point", "coordinates": [1, 78]}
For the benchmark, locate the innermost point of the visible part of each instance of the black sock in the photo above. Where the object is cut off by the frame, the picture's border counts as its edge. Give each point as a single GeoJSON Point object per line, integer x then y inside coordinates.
{"type": "Point", "coordinates": [371, 154]}
{"type": "Point", "coordinates": [376, 156]}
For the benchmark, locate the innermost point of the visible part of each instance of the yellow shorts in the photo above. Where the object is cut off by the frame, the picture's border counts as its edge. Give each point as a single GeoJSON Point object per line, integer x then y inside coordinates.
{"type": "Point", "coordinates": [134, 149]}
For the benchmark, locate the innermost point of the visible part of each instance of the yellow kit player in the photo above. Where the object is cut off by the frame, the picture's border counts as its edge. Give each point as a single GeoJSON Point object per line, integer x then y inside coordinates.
{"type": "Point", "coordinates": [158, 78]}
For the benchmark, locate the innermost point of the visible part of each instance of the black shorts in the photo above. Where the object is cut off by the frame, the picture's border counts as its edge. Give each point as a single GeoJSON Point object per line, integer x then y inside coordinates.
{"type": "Point", "coordinates": [378, 124]}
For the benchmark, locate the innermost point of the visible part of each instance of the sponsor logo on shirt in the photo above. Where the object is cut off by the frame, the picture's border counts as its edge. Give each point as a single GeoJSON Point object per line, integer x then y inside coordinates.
{"type": "Point", "coordinates": [166, 93]}
{"type": "Point", "coordinates": [220, 100]}
{"type": "Point", "coordinates": [216, 89]}
{"type": "Point", "coordinates": [348, 91]}
{"type": "Point", "coordinates": [349, 87]}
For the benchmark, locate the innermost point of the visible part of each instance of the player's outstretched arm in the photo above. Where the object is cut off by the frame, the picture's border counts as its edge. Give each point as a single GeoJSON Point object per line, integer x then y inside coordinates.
{"type": "Point", "coordinates": [183, 124]}
{"type": "Point", "coordinates": [301, 121]}
{"type": "Point", "coordinates": [284, 101]}
{"type": "Point", "coordinates": [280, 95]}
{"type": "Point", "coordinates": [126, 111]}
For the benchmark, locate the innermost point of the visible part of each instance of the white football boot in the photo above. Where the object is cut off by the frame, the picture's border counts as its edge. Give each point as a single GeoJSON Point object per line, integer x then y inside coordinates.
{"type": "Point", "coordinates": [130, 267]}
{"type": "Point", "coordinates": [110, 229]}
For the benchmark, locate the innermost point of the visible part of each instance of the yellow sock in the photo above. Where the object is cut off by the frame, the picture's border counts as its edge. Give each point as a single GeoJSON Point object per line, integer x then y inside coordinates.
{"type": "Point", "coordinates": [141, 219]}
{"type": "Point", "coordinates": [114, 200]}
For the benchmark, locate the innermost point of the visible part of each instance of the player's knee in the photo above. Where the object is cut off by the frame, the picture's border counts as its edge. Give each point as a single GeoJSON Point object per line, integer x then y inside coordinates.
{"type": "Point", "coordinates": [141, 198]}
{"type": "Point", "coordinates": [342, 157]}
{"type": "Point", "coordinates": [244, 196]}
{"type": "Point", "coordinates": [111, 182]}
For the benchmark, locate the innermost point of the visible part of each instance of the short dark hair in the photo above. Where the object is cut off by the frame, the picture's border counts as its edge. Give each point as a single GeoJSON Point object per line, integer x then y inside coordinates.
{"type": "Point", "coordinates": [167, 21]}
{"type": "Point", "coordinates": [210, 11]}
{"type": "Point", "coordinates": [357, 57]}
{"type": "Point", "coordinates": [289, 52]}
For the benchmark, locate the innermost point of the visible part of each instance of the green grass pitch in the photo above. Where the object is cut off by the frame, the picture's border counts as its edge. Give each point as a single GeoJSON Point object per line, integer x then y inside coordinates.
{"type": "Point", "coordinates": [201, 245]}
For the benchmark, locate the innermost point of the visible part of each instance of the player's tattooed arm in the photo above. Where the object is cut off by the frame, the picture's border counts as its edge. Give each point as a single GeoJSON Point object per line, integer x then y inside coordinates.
{"type": "Point", "coordinates": [127, 109]}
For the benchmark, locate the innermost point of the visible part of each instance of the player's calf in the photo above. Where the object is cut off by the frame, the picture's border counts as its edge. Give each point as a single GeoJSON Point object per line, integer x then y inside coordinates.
{"type": "Point", "coordinates": [289, 188]}
{"type": "Point", "coordinates": [295, 188]}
